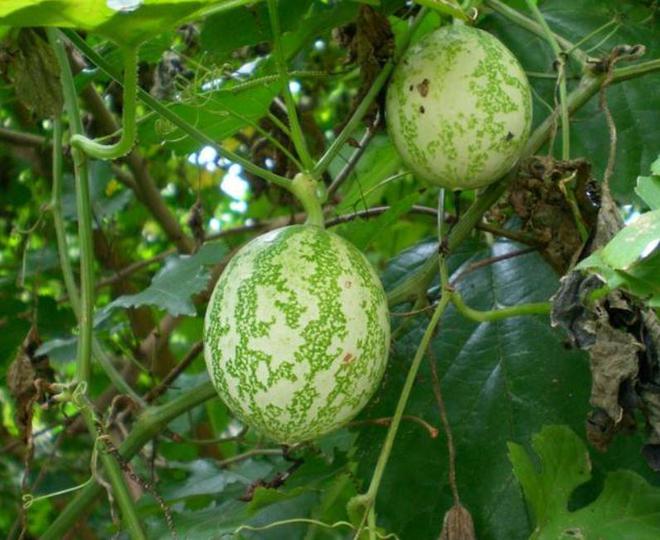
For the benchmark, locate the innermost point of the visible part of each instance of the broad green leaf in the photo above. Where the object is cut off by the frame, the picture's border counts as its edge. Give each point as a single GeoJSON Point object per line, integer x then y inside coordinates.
{"type": "Point", "coordinates": [648, 189]}
{"type": "Point", "coordinates": [126, 22]}
{"type": "Point", "coordinates": [655, 167]}
{"type": "Point", "coordinates": [173, 287]}
{"type": "Point", "coordinates": [634, 242]}
{"type": "Point", "coordinates": [226, 31]}
{"type": "Point", "coordinates": [219, 110]}
{"type": "Point", "coordinates": [379, 162]}
{"type": "Point", "coordinates": [501, 382]}
{"type": "Point", "coordinates": [628, 508]}
{"type": "Point", "coordinates": [204, 478]}
{"type": "Point", "coordinates": [106, 199]}
{"type": "Point", "coordinates": [631, 260]}
{"type": "Point", "coordinates": [299, 497]}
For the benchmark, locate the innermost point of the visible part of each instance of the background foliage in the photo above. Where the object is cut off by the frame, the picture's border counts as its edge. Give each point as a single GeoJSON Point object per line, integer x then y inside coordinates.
{"type": "Point", "coordinates": [174, 196]}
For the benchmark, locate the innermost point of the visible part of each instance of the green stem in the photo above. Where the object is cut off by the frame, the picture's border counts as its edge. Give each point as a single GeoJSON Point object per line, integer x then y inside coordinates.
{"type": "Point", "coordinates": [636, 70]}
{"type": "Point", "coordinates": [174, 118]}
{"type": "Point", "coordinates": [127, 140]}
{"type": "Point", "coordinates": [368, 499]}
{"type": "Point", "coordinates": [538, 308]}
{"type": "Point", "coordinates": [148, 425]}
{"type": "Point", "coordinates": [561, 76]}
{"type": "Point", "coordinates": [297, 135]}
{"type": "Point", "coordinates": [83, 366]}
{"type": "Point", "coordinates": [306, 189]}
{"type": "Point", "coordinates": [84, 210]}
{"type": "Point", "coordinates": [366, 102]}
{"type": "Point", "coordinates": [586, 38]}
{"type": "Point", "coordinates": [67, 271]}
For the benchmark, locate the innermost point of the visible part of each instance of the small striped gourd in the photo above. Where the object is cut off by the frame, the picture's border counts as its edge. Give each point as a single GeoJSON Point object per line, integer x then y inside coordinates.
{"type": "Point", "coordinates": [459, 108]}
{"type": "Point", "coordinates": [296, 333]}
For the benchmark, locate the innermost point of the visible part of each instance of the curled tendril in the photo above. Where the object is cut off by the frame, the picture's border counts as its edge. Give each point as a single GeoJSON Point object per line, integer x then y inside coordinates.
{"type": "Point", "coordinates": [29, 499]}
{"type": "Point", "coordinates": [310, 521]}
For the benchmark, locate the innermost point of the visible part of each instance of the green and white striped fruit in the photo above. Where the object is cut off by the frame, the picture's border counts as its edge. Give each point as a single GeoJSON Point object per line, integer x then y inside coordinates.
{"type": "Point", "coordinates": [459, 108]}
{"type": "Point", "coordinates": [296, 334]}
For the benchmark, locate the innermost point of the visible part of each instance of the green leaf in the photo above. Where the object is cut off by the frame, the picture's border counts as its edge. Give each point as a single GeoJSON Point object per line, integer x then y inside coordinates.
{"type": "Point", "coordinates": [103, 205]}
{"type": "Point", "coordinates": [634, 242]}
{"type": "Point", "coordinates": [379, 162]}
{"type": "Point", "coordinates": [627, 508]}
{"type": "Point", "coordinates": [362, 232]}
{"type": "Point", "coordinates": [139, 20]}
{"type": "Point", "coordinates": [228, 30]}
{"type": "Point", "coordinates": [174, 285]}
{"type": "Point", "coordinates": [631, 260]}
{"type": "Point", "coordinates": [648, 189]}
{"type": "Point", "coordinates": [219, 112]}
{"type": "Point", "coordinates": [204, 478]}
{"type": "Point", "coordinates": [655, 167]}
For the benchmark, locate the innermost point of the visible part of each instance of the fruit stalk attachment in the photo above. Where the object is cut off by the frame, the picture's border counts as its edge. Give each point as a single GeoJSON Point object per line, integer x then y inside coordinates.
{"type": "Point", "coordinates": [310, 193]}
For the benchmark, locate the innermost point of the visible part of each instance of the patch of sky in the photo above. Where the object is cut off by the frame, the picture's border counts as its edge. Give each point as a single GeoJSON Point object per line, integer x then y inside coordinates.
{"type": "Point", "coordinates": [295, 87]}
{"type": "Point", "coordinates": [124, 6]}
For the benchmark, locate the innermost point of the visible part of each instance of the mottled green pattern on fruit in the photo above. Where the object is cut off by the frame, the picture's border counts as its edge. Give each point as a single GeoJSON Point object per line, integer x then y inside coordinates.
{"type": "Point", "coordinates": [297, 333]}
{"type": "Point", "coordinates": [459, 108]}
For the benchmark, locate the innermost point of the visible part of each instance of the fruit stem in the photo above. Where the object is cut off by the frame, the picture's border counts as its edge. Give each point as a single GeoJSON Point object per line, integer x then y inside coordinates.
{"type": "Point", "coordinates": [297, 135]}
{"type": "Point", "coordinates": [310, 194]}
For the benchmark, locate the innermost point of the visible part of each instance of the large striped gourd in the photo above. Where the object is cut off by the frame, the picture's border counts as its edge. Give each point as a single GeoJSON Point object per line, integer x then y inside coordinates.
{"type": "Point", "coordinates": [459, 108]}
{"type": "Point", "coordinates": [296, 333]}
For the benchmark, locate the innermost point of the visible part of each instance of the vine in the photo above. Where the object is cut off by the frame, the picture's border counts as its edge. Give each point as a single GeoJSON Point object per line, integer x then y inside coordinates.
{"type": "Point", "coordinates": [83, 365]}
{"type": "Point", "coordinates": [123, 146]}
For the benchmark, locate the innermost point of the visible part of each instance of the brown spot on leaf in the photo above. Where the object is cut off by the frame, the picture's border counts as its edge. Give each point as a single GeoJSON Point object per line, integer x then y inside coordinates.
{"type": "Point", "coordinates": [422, 109]}
{"type": "Point", "coordinates": [348, 358]}
{"type": "Point", "coordinates": [509, 136]}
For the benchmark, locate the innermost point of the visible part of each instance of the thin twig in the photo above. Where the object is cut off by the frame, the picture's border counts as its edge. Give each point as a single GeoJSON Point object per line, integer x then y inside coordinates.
{"type": "Point", "coordinates": [22, 138]}
{"type": "Point", "coordinates": [451, 449]}
{"type": "Point", "coordinates": [491, 260]}
{"type": "Point", "coordinates": [188, 359]}
{"type": "Point", "coordinates": [355, 157]}
{"type": "Point", "coordinates": [387, 420]}
{"type": "Point", "coordinates": [216, 440]}
{"type": "Point", "coordinates": [250, 453]}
